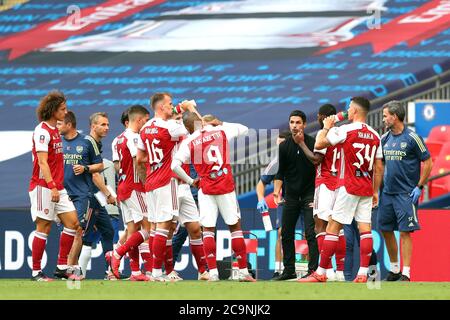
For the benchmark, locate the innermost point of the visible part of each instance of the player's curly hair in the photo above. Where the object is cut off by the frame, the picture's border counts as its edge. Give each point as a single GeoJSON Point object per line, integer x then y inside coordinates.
{"type": "Point", "coordinates": [49, 104]}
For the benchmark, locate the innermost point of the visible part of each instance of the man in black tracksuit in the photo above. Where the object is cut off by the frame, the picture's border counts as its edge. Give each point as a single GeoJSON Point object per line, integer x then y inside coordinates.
{"type": "Point", "coordinates": [298, 174]}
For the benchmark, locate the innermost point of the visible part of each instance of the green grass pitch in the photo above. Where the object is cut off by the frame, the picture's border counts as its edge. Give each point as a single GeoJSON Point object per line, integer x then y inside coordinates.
{"type": "Point", "coordinates": [223, 290]}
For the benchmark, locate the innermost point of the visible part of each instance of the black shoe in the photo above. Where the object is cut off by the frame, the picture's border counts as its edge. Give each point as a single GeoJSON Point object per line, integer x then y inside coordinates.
{"type": "Point", "coordinates": [307, 274]}
{"type": "Point", "coordinates": [61, 274]}
{"type": "Point", "coordinates": [275, 275]}
{"type": "Point", "coordinates": [404, 278]}
{"type": "Point", "coordinates": [286, 276]}
{"type": "Point", "coordinates": [41, 277]}
{"type": "Point", "coordinates": [393, 276]}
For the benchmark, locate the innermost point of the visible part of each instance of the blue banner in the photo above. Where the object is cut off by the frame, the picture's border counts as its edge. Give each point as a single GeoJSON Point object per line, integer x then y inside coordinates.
{"type": "Point", "coordinates": [429, 114]}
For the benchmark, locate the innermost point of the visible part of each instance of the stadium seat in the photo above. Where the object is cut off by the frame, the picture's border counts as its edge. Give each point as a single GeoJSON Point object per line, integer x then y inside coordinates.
{"type": "Point", "coordinates": [441, 165]}
{"type": "Point", "coordinates": [438, 136]}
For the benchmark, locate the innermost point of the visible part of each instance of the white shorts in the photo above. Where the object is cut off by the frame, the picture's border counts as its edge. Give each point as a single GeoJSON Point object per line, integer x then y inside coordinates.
{"type": "Point", "coordinates": [349, 206]}
{"type": "Point", "coordinates": [210, 205]}
{"type": "Point", "coordinates": [188, 209]}
{"type": "Point", "coordinates": [324, 199]}
{"type": "Point", "coordinates": [135, 208]}
{"type": "Point", "coordinates": [43, 207]}
{"type": "Point", "coordinates": [163, 203]}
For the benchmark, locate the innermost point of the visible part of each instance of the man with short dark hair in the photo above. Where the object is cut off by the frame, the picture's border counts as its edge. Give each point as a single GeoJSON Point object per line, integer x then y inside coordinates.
{"type": "Point", "coordinates": [131, 194]}
{"type": "Point", "coordinates": [80, 161]}
{"type": "Point", "coordinates": [403, 151]}
{"type": "Point", "coordinates": [297, 174]}
{"type": "Point", "coordinates": [266, 178]}
{"type": "Point", "coordinates": [49, 200]}
{"type": "Point", "coordinates": [359, 181]}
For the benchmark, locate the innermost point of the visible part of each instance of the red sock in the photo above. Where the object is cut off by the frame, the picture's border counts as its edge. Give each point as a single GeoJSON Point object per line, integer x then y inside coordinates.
{"type": "Point", "coordinates": [133, 253]}
{"type": "Point", "coordinates": [149, 264]}
{"type": "Point", "coordinates": [134, 241]}
{"type": "Point", "coordinates": [196, 246]}
{"type": "Point", "coordinates": [209, 246]}
{"type": "Point", "coordinates": [239, 249]}
{"type": "Point", "coordinates": [319, 237]}
{"type": "Point", "coordinates": [328, 249]}
{"type": "Point", "coordinates": [144, 251]}
{"type": "Point", "coordinates": [65, 244]}
{"type": "Point", "coordinates": [168, 261]}
{"type": "Point", "coordinates": [159, 247]}
{"type": "Point", "coordinates": [365, 248]}
{"type": "Point", "coordinates": [37, 249]}
{"type": "Point", "coordinates": [340, 253]}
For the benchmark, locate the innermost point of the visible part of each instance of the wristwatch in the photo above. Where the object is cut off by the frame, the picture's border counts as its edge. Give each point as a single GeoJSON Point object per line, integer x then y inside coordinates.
{"type": "Point", "coordinates": [86, 168]}
{"type": "Point", "coordinates": [420, 186]}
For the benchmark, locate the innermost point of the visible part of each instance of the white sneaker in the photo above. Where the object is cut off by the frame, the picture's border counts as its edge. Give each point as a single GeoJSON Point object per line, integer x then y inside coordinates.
{"type": "Point", "coordinates": [331, 275]}
{"type": "Point", "coordinates": [340, 276]}
{"type": "Point", "coordinates": [174, 276]}
{"type": "Point", "coordinates": [203, 276]}
{"type": "Point", "coordinates": [213, 278]}
{"type": "Point", "coordinates": [246, 278]}
{"type": "Point", "coordinates": [161, 278]}
{"type": "Point", "coordinates": [149, 275]}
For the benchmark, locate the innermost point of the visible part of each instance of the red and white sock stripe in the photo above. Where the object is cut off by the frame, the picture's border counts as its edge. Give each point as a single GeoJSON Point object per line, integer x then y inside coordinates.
{"type": "Point", "coordinates": [41, 235]}
{"type": "Point", "coordinates": [69, 232]}
{"type": "Point", "coordinates": [331, 237]}
{"type": "Point", "coordinates": [366, 235]}
{"type": "Point", "coordinates": [237, 234]}
{"type": "Point", "coordinates": [161, 232]}
{"type": "Point", "coordinates": [207, 234]}
{"type": "Point", "coordinates": [321, 234]}
{"type": "Point", "coordinates": [144, 248]}
{"type": "Point", "coordinates": [196, 242]}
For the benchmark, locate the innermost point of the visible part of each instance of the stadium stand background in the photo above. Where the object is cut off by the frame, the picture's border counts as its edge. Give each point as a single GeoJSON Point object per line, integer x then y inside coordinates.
{"type": "Point", "coordinates": [255, 86]}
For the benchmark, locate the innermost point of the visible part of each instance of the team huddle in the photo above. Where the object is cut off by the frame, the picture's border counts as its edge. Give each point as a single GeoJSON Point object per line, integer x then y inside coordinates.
{"type": "Point", "coordinates": [154, 159]}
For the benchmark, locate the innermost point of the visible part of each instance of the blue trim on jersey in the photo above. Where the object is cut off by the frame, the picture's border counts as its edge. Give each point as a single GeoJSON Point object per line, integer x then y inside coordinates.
{"type": "Point", "coordinates": [402, 155]}
{"type": "Point", "coordinates": [79, 150]}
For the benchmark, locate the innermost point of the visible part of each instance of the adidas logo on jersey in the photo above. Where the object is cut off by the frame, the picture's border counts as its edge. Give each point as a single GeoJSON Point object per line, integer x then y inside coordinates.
{"type": "Point", "coordinates": [411, 224]}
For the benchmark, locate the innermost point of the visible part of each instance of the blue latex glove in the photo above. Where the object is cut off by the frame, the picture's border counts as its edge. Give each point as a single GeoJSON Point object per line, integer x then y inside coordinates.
{"type": "Point", "coordinates": [415, 194]}
{"type": "Point", "coordinates": [262, 206]}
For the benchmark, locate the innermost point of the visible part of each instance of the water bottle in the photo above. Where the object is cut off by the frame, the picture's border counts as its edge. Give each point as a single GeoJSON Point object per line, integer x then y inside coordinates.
{"type": "Point", "coordinates": [301, 266]}
{"type": "Point", "coordinates": [341, 116]}
{"type": "Point", "coordinates": [266, 221]}
{"type": "Point", "coordinates": [235, 270]}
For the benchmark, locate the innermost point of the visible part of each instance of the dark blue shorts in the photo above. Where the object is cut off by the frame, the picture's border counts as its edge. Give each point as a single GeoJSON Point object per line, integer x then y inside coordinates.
{"type": "Point", "coordinates": [90, 213]}
{"type": "Point", "coordinates": [397, 212]}
{"type": "Point", "coordinates": [82, 205]}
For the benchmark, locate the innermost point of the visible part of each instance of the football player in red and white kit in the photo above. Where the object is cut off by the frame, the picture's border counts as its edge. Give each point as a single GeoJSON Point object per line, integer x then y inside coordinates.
{"type": "Point", "coordinates": [131, 194]}
{"type": "Point", "coordinates": [49, 199]}
{"type": "Point", "coordinates": [158, 139]}
{"type": "Point", "coordinates": [327, 162]}
{"type": "Point", "coordinates": [359, 180]}
{"type": "Point", "coordinates": [207, 149]}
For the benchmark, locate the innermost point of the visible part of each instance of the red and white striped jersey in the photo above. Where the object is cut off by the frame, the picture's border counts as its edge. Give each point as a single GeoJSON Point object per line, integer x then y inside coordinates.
{"type": "Point", "coordinates": [208, 150]}
{"type": "Point", "coordinates": [158, 138]}
{"type": "Point", "coordinates": [47, 139]}
{"type": "Point", "coordinates": [327, 171]}
{"type": "Point", "coordinates": [127, 144]}
{"type": "Point", "coordinates": [360, 146]}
